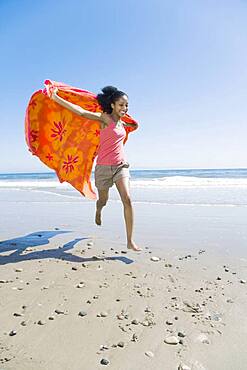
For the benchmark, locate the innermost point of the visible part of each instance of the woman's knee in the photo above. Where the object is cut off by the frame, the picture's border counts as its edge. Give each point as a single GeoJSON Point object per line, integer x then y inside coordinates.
{"type": "Point", "coordinates": [102, 201]}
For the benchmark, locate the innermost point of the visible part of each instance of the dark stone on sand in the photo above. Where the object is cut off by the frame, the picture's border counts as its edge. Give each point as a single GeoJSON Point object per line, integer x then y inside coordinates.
{"type": "Point", "coordinates": [41, 322]}
{"type": "Point", "coordinates": [134, 338]}
{"type": "Point", "coordinates": [59, 312]}
{"type": "Point", "coordinates": [135, 322]}
{"type": "Point", "coordinates": [169, 322]}
{"type": "Point", "coordinates": [12, 333]}
{"type": "Point", "coordinates": [17, 314]}
{"type": "Point", "coordinates": [104, 361]}
{"type": "Point", "coordinates": [82, 313]}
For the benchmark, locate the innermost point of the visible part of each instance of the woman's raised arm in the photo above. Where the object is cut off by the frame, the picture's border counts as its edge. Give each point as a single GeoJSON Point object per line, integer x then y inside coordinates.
{"type": "Point", "coordinates": [76, 108]}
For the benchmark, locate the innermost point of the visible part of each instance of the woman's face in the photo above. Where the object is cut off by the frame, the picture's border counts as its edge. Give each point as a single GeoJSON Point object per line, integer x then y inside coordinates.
{"type": "Point", "coordinates": [120, 107]}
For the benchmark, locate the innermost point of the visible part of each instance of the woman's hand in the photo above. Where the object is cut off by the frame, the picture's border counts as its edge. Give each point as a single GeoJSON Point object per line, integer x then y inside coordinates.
{"type": "Point", "coordinates": [54, 93]}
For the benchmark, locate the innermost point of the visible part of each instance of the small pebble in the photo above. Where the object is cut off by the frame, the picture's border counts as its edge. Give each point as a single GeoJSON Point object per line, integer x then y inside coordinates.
{"type": "Point", "coordinates": [82, 313]}
{"type": "Point", "coordinates": [18, 270]}
{"type": "Point", "coordinates": [242, 281]}
{"type": "Point", "coordinates": [149, 354]}
{"type": "Point", "coordinates": [135, 322]}
{"type": "Point", "coordinates": [104, 346]}
{"type": "Point", "coordinates": [12, 333]}
{"type": "Point", "coordinates": [41, 322]}
{"type": "Point", "coordinates": [171, 340]}
{"type": "Point", "coordinates": [74, 268]}
{"type": "Point", "coordinates": [169, 322]}
{"type": "Point", "coordinates": [51, 317]}
{"type": "Point", "coordinates": [59, 312]}
{"type": "Point", "coordinates": [145, 323]}
{"type": "Point", "coordinates": [103, 314]}
{"type": "Point", "coordinates": [120, 344]}
{"type": "Point", "coordinates": [80, 285]}
{"type": "Point", "coordinates": [104, 361]}
{"type": "Point", "coordinates": [134, 338]}
{"type": "Point", "coordinates": [89, 244]}
{"type": "Point", "coordinates": [155, 259]}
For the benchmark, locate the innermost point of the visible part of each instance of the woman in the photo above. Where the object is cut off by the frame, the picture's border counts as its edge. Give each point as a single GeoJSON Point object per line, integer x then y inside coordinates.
{"type": "Point", "coordinates": [111, 166]}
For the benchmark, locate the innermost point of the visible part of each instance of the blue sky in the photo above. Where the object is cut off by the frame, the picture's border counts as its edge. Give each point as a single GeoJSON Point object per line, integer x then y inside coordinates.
{"type": "Point", "coordinates": [182, 63]}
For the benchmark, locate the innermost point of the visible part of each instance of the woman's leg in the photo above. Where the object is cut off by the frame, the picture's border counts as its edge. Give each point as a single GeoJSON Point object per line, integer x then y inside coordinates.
{"type": "Point", "coordinates": [123, 188]}
{"type": "Point", "coordinates": [101, 202]}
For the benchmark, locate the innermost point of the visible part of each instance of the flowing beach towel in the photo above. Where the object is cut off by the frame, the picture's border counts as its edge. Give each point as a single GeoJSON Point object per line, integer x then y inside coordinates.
{"type": "Point", "coordinates": [64, 141]}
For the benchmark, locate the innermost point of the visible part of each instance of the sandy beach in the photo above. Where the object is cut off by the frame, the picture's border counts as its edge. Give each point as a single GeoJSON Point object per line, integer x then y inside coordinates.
{"type": "Point", "coordinates": [73, 298]}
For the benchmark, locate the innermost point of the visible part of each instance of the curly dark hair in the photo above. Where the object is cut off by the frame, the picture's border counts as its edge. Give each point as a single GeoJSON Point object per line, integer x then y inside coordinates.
{"type": "Point", "coordinates": [109, 95]}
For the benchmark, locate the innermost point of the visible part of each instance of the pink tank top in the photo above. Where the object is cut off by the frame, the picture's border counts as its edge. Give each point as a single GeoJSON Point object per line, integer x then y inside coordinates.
{"type": "Point", "coordinates": [110, 151]}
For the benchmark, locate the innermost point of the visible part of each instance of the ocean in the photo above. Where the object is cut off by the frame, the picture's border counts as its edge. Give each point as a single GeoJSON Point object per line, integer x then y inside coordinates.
{"type": "Point", "coordinates": [205, 187]}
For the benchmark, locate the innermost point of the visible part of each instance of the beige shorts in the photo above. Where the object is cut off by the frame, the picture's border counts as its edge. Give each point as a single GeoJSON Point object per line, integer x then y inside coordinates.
{"type": "Point", "coordinates": [106, 176]}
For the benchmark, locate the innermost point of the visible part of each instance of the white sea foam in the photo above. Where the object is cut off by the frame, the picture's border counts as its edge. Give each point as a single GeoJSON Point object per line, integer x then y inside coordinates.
{"type": "Point", "coordinates": [190, 182]}
{"type": "Point", "coordinates": [158, 183]}
{"type": "Point", "coordinates": [33, 184]}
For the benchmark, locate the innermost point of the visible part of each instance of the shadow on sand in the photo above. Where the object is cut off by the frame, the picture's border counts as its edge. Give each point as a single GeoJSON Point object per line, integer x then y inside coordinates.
{"type": "Point", "coordinates": [39, 238]}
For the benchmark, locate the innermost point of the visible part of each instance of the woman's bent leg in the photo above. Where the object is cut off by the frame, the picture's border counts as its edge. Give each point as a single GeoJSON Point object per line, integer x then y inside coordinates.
{"type": "Point", "coordinates": [101, 202]}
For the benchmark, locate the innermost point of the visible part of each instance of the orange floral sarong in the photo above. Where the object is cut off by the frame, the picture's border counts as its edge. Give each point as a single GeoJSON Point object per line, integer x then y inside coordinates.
{"type": "Point", "coordinates": [64, 141]}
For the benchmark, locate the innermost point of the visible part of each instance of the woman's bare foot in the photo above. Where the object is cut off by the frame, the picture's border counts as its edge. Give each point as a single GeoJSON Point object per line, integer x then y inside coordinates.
{"type": "Point", "coordinates": [98, 218]}
{"type": "Point", "coordinates": [134, 247]}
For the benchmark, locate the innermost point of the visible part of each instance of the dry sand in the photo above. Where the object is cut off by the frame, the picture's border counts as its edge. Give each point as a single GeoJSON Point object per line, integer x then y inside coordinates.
{"type": "Point", "coordinates": [130, 304]}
